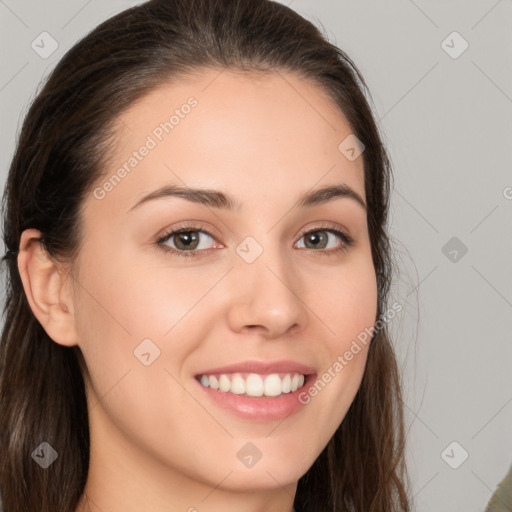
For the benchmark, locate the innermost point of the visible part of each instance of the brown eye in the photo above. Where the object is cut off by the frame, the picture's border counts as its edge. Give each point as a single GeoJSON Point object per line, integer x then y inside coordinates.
{"type": "Point", "coordinates": [319, 239]}
{"type": "Point", "coordinates": [185, 241]}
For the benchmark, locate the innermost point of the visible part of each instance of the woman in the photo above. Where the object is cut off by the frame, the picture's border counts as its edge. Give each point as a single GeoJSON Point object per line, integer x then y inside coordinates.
{"type": "Point", "coordinates": [198, 270]}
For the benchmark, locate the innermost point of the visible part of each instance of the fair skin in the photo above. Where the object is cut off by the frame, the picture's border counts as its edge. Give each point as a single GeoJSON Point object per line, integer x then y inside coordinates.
{"type": "Point", "coordinates": [157, 441]}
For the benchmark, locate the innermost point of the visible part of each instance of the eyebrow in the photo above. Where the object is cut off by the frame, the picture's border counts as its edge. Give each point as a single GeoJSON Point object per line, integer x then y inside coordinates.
{"type": "Point", "coordinates": [218, 199]}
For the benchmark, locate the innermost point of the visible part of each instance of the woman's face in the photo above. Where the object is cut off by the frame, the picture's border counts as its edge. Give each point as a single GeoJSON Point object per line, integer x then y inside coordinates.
{"type": "Point", "coordinates": [271, 283]}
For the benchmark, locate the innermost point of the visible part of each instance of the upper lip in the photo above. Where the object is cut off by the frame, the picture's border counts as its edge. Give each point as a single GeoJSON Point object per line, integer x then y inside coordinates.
{"type": "Point", "coordinates": [283, 366]}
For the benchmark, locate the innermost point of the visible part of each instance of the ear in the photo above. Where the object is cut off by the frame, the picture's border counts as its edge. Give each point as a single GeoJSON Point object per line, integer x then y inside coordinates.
{"type": "Point", "coordinates": [48, 288]}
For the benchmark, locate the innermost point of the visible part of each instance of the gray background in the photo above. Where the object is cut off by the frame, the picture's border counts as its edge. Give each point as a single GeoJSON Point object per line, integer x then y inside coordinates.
{"type": "Point", "coordinates": [447, 121]}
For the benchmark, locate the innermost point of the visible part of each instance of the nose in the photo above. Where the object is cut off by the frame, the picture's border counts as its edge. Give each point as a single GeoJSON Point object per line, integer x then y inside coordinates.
{"type": "Point", "coordinates": [267, 297]}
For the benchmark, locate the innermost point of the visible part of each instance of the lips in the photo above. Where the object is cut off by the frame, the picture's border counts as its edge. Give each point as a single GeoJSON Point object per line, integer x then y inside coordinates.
{"type": "Point", "coordinates": [256, 390]}
{"type": "Point", "coordinates": [254, 378]}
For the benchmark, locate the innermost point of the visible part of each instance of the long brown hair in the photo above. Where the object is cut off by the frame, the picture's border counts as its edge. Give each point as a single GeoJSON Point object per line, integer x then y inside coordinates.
{"type": "Point", "coordinates": [63, 148]}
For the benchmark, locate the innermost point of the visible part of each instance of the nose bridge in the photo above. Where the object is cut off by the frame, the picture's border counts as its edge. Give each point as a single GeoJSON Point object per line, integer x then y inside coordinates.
{"type": "Point", "coordinates": [268, 288]}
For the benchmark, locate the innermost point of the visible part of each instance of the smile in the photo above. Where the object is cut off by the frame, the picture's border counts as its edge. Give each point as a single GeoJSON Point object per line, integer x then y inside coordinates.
{"type": "Point", "coordinates": [254, 384]}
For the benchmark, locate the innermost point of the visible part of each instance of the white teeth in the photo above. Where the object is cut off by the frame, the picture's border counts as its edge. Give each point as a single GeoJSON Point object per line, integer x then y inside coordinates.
{"type": "Point", "coordinates": [272, 385]}
{"type": "Point", "coordinates": [254, 384]}
{"type": "Point", "coordinates": [286, 385]}
{"type": "Point", "coordinates": [214, 383]}
{"type": "Point", "coordinates": [237, 385]}
{"type": "Point", "coordinates": [224, 384]}
{"type": "Point", "coordinates": [295, 382]}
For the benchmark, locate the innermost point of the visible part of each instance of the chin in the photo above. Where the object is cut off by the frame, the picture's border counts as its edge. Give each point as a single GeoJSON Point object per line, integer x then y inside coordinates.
{"type": "Point", "coordinates": [275, 472]}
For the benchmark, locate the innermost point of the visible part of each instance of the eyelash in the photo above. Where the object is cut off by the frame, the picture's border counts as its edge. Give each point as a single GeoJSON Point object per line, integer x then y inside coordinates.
{"type": "Point", "coordinates": [347, 240]}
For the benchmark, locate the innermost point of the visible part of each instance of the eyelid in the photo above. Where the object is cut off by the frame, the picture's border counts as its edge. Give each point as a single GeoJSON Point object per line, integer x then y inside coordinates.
{"type": "Point", "coordinates": [187, 226]}
{"type": "Point", "coordinates": [325, 225]}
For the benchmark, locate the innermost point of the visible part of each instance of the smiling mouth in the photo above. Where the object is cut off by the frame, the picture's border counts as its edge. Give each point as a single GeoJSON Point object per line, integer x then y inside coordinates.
{"type": "Point", "coordinates": [254, 384]}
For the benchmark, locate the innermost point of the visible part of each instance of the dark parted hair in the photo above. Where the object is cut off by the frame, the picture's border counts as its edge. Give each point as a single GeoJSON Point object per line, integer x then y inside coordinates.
{"type": "Point", "coordinates": [63, 149]}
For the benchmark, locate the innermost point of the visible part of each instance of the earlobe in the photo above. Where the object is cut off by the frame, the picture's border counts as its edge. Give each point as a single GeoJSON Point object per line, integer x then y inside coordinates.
{"type": "Point", "coordinates": [48, 289]}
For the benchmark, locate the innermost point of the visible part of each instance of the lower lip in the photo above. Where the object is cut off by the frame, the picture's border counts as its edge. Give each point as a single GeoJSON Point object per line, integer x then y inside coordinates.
{"type": "Point", "coordinates": [260, 408]}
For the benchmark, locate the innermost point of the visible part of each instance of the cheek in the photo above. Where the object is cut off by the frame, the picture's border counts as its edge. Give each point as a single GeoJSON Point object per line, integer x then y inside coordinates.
{"type": "Point", "coordinates": [346, 302]}
{"type": "Point", "coordinates": [126, 311]}
{"type": "Point", "coordinates": [136, 301]}
{"type": "Point", "coordinates": [349, 300]}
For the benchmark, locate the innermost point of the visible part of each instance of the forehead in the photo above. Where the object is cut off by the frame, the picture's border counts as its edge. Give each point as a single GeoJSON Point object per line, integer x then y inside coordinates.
{"type": "Point", "coordinates": [256, 132]}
